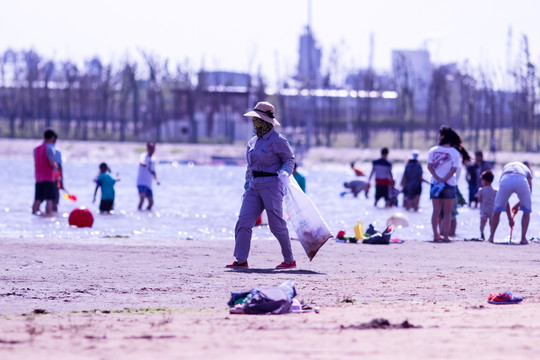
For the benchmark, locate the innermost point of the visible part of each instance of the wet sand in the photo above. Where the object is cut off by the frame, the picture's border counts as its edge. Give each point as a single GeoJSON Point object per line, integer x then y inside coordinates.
{"type": "Point", "coordinates": [139, 302]}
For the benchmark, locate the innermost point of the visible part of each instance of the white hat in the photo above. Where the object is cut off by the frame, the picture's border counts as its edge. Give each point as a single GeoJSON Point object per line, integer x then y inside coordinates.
{"type": "Point", "coordinates": [264, 110]}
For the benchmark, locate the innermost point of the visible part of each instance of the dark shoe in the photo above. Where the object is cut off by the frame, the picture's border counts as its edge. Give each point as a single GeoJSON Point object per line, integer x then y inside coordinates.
{"type": "Point", "coordinates": [371, 230]}
{"type": "Point", "coordinates": [237, 265]}
{"type": "Point", "coordinates": [285, 265]}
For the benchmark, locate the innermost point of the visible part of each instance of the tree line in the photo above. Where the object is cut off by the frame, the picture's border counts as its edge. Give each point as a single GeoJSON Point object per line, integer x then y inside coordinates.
{"type": "Point", "coordinates": [135, 100]}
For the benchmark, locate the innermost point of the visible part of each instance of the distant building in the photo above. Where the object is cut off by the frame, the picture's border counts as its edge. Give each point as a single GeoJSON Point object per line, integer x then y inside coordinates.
{"type": "Point", "coordinates": [213, 111]}
{"type": "Point", "coordinates": [309, 62]}
{"type": "Point", "coordinates": [223, 78]}
{"type": "Point", "coordinates": [412, 69]}
{"type": "Point", "coordinates": [361, 81]}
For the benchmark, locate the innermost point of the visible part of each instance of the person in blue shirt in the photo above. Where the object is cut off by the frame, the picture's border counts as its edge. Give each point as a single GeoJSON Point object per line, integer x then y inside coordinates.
{"type": "Point", "coordinates": [106, 182]}
{"type": "Point", "coordinates": [58, 174]}
{"type": "Point", "coordinates": [270, 163]}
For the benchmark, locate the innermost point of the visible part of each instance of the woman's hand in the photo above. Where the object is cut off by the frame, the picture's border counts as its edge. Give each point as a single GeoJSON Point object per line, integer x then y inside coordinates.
{"type": "Point", "coordinates": [283, 177]}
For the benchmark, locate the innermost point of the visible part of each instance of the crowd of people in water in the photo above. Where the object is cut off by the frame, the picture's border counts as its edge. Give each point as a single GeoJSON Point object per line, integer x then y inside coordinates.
{"type": "Point", "coordinates": [50, 180]}
{"type": "Point", "coordinates": [445, 163]}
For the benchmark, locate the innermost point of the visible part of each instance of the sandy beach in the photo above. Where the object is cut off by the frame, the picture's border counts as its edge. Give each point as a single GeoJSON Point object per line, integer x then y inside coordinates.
{"type": "Point", "coordinates": [69, 300]}
{"type": "Point", "coordinates": [138, 302]}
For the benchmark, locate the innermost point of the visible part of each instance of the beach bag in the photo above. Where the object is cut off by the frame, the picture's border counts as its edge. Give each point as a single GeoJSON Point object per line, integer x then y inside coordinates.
{"type": "Point", "coordinates": [311, 229]}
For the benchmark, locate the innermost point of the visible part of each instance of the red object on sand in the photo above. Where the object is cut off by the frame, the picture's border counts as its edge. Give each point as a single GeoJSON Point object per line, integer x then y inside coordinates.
{"type": "Point", "coordinates": [81, 217]}
{"type": "Point", "coordinates": [340, 234]}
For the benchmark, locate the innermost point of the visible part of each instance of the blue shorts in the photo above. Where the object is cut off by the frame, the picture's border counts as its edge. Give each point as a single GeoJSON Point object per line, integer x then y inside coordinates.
{"type": "Point", "coordinates": [143, 189]}
{"type": "Point", "coordinates": [448, 192]}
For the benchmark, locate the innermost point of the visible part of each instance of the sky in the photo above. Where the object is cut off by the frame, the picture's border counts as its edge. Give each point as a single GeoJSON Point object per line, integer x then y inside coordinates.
{"type": "Point", "coordinates": [263, 36]}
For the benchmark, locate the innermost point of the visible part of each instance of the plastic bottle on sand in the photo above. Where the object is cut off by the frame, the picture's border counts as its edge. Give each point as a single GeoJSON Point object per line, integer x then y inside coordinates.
{"type": "Point", "coordinates": [296, 307]}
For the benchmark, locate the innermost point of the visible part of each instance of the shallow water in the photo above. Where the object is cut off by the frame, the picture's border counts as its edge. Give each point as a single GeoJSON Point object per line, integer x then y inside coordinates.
{"type": "Point", "coordinates": [202, 202]}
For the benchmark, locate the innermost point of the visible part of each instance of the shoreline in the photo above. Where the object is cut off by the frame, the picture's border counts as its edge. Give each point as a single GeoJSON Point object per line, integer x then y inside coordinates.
{"type": "Point", "coordinates": [224, 153]}
{"type": "Point", "coordinates": [442, 288]}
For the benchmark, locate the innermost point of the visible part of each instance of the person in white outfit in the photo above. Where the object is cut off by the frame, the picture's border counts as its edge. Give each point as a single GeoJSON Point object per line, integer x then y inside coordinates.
{"type": "Point", "coordinates": [145, 176]}
{"type": "Point", "coordinates": [516, 178]}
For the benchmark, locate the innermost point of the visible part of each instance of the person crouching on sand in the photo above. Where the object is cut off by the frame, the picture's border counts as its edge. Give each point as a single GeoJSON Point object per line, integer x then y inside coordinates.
{"type": "Point", "coordinates": [270, 163]}
{"type": "Point", "coordinates": [516, 178]}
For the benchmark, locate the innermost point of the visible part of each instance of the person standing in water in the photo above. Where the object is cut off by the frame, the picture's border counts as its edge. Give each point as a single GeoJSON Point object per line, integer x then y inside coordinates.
{"type": "Point", "coordinates": [270, 163]}
{"type": "Point", "coordinates": [443, 162]}
{"type": "Point", "coordinates": [411, 182]}
{"type": "Point", "coordinates": [45, 165]}
{"type": "Point", "coordinates": [147, 174]}
{"type": "Point", "coordinates": [384, 180]}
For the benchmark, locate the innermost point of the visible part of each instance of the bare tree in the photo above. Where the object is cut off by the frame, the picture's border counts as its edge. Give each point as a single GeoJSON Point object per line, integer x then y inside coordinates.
{"type": "Point", "coordinates": [12, 74]}
{"type": "Point", "coordinates": [47, 71]}
{"type": "Point", "coordinates": [405, 102]}
{"type": "Point", "coordinates": [32, 62]}
{"type": "Point", "coordinates": [155, 93]}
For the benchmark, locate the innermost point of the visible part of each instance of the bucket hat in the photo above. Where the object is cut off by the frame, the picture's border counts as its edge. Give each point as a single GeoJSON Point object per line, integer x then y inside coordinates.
{"type": "Point", "coordinates": [264, 110]}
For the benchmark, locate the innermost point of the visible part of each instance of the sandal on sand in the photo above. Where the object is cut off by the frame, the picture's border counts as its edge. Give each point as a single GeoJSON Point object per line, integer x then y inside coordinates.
{"type": "Point", "coordinates": [504, 298]}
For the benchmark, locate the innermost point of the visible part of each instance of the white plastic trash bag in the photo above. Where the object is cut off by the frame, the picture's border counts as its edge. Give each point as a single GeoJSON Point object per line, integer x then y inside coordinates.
{"type": "Point", "coordinates": [310, 227]}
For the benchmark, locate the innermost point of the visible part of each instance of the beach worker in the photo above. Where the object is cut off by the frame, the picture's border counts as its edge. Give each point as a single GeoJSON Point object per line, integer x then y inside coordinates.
{"type": "Point", "coordinates": [270, 162]}
{"type": "Point", "coordinates": [106, 182]}
{"type": "Point", "coordinates": [443, 162]}
{"type": "Point", "coordinates": [58, 175]}
{"type": "Point", "coordinates": [146, 175]}
{"type": "Point", "coordinates": [356, 187]}
{"type": "Point", "coordinates": [411, 182]}
{"type": "Point", "coordinates": [486, 197]}
{"type": "Point", "coordinates": [300, 179]}
{"type": "Point", "coordinates": [516, 179]}
{"type": "Point", "coordinates": [44, 167]}
{"type": "Point", "coordinates": [474, 173]}
{"type": "Point", "coordinates": [384, 181]}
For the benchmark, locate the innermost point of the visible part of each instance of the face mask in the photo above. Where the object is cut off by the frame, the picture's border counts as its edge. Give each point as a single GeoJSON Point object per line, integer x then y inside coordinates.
{"type": "Point", "coordinates": [261, 127]}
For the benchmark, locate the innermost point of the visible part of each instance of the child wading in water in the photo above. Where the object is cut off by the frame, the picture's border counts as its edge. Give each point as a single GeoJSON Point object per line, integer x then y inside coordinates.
{"type": "Point", "coordinates": [106, 182]}
{"type": "Point", "coordinates": [486, 197]}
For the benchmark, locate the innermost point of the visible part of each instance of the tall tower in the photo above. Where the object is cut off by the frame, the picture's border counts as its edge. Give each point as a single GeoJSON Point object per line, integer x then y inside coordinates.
{"type": "Point", "coordinates": [309, 74]}
{"type": "Point", "coordinates": [309, 62]}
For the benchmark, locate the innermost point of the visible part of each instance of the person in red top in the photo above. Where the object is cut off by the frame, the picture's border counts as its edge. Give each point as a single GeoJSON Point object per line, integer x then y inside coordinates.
{"type": "Point", "coordinates": [45, 166]}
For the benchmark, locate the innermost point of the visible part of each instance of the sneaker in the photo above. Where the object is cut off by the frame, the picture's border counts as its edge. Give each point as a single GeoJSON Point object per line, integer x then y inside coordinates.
{"type": "Point", "coordinates": [504, 298]}
{"type": "Point", "coordinates": [286, 265]}
{"type": "Point", "coordinates": [237, 265]}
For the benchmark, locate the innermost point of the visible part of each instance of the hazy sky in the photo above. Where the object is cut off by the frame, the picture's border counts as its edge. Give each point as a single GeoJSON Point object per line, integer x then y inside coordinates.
{"type": "Point", "coordinates": [245, 35]}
